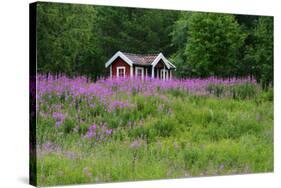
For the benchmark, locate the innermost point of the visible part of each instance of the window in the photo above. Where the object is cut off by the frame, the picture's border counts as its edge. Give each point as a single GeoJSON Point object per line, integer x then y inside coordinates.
{"type": "Point", "coordinates": [139, 72]}
{"type": "Point", "coordinates": [121, 72]}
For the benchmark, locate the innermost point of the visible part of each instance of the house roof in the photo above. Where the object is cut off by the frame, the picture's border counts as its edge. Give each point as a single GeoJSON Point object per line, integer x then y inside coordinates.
{"type": "Point", "coordinates": [140, 59]}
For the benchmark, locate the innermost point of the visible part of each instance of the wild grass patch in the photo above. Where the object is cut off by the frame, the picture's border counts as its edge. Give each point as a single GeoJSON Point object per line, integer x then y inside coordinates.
{"type": "Point", "coordinates": [171, 133]}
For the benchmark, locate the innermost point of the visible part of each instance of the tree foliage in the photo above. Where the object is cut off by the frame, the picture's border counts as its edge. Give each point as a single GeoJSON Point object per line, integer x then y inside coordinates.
{"type": "Point", "coordinates": [66, 39]}
{"type": "Point", "coordinates": [79, 39]}
{"type": "Point", "coordinates": [134, 30]}
{"type": "Point", "coordinates": [213, 41]}
{"type": "Point", "coordinates": [260, 53]}
{"type": "Point", "coordinates": [210, 44]}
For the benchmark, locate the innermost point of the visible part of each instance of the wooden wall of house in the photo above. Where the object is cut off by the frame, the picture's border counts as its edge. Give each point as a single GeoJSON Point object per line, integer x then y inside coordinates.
{"type": "Point", "coordinates": [120, 62]}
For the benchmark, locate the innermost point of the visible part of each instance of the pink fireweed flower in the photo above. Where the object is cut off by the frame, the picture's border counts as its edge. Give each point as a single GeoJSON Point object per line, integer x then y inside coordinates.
{"type": "Point", "coordinates": [116, 94]}
{"type": "Point", "coordinates": [91, 131]}
{"type": "Point", "coordinates": [51, 147]}
{"type": "Point", "coordinates": [87, 172]}
{"type": "Point", "coordinates": [135, 144]}
{"type": "Point", "coordinates": [58, 123]}
{"type": "Point", "coordinates": [93, 127]}
{"type": "Point", "coordinates": [59, 117]}
{"type": "Point", "coordinates": [163, 97]}
{"type": "Point", "coordinates": [92, 105]}
{"type": "Point", "coordinates": [170, 111]}
{"type": "Point", "coordinates": [98, 133]}
{"type": "Point", "coordinates": [160, 107]}
{"type": "Point", "coordinates": [115, 104]}
{"type": "Point", "coordinates": [104, 89]}
{"type": "Point", "coordinates": [108, 132]}
{"type": "Point", "coordinates": [71, 155]}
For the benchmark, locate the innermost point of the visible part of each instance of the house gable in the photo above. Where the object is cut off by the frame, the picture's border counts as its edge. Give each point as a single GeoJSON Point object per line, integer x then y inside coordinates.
{"type": "Point", "coordinates": [168, 64]}
{"type": "Point", "coordinates": [117, 63]}
{"type": "Point", "coordinates": [120, 55]}
{"type": "Point", "coordinates": [161, 64]}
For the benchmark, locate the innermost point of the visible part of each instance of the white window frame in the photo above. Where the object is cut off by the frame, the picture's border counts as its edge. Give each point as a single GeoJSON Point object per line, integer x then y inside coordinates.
{"type": "Point", "coordinates": [119, 68]}
{"type": "Point", "coordinates": [142, 70]}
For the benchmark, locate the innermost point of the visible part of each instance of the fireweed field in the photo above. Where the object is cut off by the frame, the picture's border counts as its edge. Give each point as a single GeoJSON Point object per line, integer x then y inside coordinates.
{"type": "Point", "coordinates": [123, 130]}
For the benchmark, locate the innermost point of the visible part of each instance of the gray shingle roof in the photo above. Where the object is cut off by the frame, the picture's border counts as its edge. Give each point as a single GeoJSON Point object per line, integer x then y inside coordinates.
{"type": "Point", "coordinates": [141, 59]}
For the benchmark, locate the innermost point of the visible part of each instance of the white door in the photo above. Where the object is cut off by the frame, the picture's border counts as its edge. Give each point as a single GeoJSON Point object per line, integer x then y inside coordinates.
{"type": "Point", "coordinates": [121, 72]}
{"type": "Point", "coordinates": [139, 72]}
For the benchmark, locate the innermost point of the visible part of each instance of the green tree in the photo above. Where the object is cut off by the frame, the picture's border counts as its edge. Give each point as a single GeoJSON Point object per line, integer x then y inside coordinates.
{"type": "Point", "coordinates": [66, 39]}
{"type": "Point", "coordinates": [263, 51]}
{"type": "Point", "coordinates": [213, 44]}
{"type": "Point", "coordinates": [134, 30]}
{"type": "Point", "coordinates": [179, 41]}
{"type": "Point", "coordinates": [79, 39]}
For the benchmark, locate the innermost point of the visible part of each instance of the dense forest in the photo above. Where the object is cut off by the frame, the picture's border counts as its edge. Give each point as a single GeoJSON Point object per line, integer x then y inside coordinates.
{"type": "Point", "coordinates": [79, 39]}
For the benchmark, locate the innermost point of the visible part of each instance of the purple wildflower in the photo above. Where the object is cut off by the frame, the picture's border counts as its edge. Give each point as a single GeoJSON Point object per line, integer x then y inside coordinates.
{"type": "Point", "coordinates": [170, 111]}
{"type": "Point", "coordinates": [108, 132]}
{"type": "Point", "coordinates": [51, 147]}
{"type": "Point", "coordinates": [98, 133]}
{"type": "Point", "coordinates": [71, 155]}
{"type": "Point", "coordinates": [58, 123]}
{"type": "Point", "coordinates": [92, 105]}
{"type": "Point", "coordinates": [87, 172]}
{"type": "Point", "coordinates": [160, 107]}
{"type": "Point", "coordinates": [135, 144]}
{"type": "Point", "coordinates": [59, 117]}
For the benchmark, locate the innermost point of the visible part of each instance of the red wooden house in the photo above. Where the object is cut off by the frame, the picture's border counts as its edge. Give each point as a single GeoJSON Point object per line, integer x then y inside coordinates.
{"type": "Point", "coordinates": [123, 64]}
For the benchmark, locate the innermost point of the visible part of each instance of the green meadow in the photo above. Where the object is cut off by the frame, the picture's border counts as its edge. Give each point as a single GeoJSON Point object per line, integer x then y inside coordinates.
{"type": "Point", "coordinates": [188, 136]}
